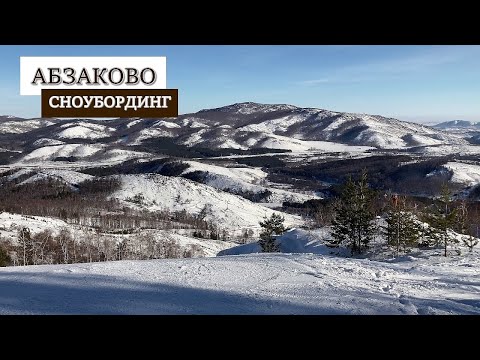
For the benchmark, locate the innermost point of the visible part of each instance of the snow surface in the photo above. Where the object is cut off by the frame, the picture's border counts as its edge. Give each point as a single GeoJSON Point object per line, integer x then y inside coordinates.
{"type": "Point", "coordinates": [280, 124]}
{"type": "Point", "coordinates": [193, 123]}
{"type": "Point", "coordinates": [195, 138]}
{"type": "Point", "coordinates": [244, 179]}
{"type": "Point", "coordinates": [47, 142]}
{"type": "Point", "coordinates": [292, 241]}
{"type": "Point", "coordinates": [118, 155]}
{"type": "Point", "coordinates": [151, 133]}
{"type": "Point", "coordinates": [295, 145]}
{"type": "Point", "coordinates": [81, 132]}
{"type": "Point", "coordinates": [249, 284]}
{"type": "Point", "coordinates": [51, 152]}
{"type": "Point", "coordinates": [209, 248]}
{"type": "Point", "coordinates": [167, 124]}
{"type": "Point", "coordinates": [177, 194]}
{"type": "Point", "coordinates": [134, 122]}
{"type": "Point", "coordinates": [468, 174]}
{"type": "Point", "coordinates": [11, 223]}
{"type": "Point", "coordinates": [239, 173]}
{"type": "Point", "coordinates": [23, 126]}
{"type": "Point", "coordinates": [67, 176]}
{"type": "Point", "coordinates": [231, 144]}
{"type": "Point", "coordinates": [448, 149]}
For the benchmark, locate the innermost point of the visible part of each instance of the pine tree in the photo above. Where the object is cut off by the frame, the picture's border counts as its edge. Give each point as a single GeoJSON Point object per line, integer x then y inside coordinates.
{"type": "Point", "coordinates": [270, 229]}
{"type": "Point", "coordinates": [442, 218]}
{"type": "Point", "coordinates": [353, 221]}
{"type": "Point", "coordinates": [470, 242]}
{"type": "Point", "coordinates": [402, 229]}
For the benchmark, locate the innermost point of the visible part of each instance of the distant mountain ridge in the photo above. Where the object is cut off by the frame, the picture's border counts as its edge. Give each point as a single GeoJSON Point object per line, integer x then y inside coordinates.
{"type": "Point", "coordinates": [240, 126]}
{"type": "Point", "coordinates": [457, 124]}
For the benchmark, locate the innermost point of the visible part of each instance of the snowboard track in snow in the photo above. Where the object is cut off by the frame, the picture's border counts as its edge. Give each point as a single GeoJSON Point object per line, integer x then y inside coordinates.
{"type": "Point", "coordinates": [246, 284]}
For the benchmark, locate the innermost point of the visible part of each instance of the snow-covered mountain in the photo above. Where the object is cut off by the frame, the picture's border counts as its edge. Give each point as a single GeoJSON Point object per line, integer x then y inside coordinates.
{"type": "Point", "coordinates": [241, 126]}
{"type": "Point", "coordinates": [457, 124]}
{"type": "Point", "coordinates": [469, 130]}
{"type": "Point", "coordinates": [251, 125]}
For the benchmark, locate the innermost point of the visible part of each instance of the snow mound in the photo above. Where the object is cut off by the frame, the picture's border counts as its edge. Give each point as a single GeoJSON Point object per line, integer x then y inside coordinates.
{"type": "Point", "coordinates": [292, 241]}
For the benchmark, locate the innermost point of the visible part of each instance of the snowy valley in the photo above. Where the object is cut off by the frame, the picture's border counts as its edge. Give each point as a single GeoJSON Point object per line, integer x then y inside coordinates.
{"type": "Point", "coordinates": [162, 216]}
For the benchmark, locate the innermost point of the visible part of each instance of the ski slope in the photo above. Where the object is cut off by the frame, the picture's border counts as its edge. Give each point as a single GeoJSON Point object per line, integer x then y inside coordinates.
{"type": "Point", "coordinates": [246, 284]}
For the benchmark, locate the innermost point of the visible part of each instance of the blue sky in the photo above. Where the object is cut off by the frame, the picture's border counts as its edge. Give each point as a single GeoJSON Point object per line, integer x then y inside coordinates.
{"type": "Point", "coordinates": [415, 83]}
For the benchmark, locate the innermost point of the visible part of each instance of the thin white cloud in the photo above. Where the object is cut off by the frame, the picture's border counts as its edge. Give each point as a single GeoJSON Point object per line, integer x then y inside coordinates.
{"type": "Point", "coordinates": [425, 60]}
{"type": "Point", "coordinates": [314, 82]}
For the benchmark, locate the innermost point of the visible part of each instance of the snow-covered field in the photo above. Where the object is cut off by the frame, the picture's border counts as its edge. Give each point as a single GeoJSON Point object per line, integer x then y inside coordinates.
{"type": "Point", "coordinates": [246, 284]}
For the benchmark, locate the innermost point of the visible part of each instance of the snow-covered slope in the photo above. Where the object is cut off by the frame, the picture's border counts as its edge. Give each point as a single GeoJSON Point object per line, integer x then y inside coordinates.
{"type": "Point", "coordinates": [237, 180]}
{"type": "Point", "coordinates": [13, 125]}
{"type": "Point", "coordinates": [251, 125]}
{"type": "Point", "coordinates": [444, 150]}
{"type": "Point", "coordinates": [84, 130]}
{"type": "Point", "coordinates": [47, 142]}
{"type": "Point", "coordinates": [46, 153]}
{"type": "Point", "coordinates": [67, 176]}
{"type": "Point", "coordinates": [283, 142]}
{"type": "Point", "coordinates": [245, 126]}
{"type": "Point", "coordinates": [206, 247]}
{"type": "Point", "coordinates": [457, 124]}
{"type": "Point", "coordinates": [11, 223]}
{"type": "Point", "coordinates": [292, 241]}
{"type": "Point", "coordinates": [468, 174]}
{"type": "Point", "coordinates": [177, 194]}
{"type": "Point", "coordinates": [253, 284]}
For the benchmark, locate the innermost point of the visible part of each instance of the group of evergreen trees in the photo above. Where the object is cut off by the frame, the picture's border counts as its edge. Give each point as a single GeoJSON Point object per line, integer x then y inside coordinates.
{"type": "Point", "coordinates": [354, 220]}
